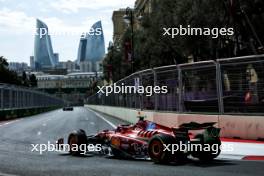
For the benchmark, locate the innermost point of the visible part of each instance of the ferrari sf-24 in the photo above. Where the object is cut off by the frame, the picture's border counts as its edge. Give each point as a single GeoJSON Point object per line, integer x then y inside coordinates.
{"type": "Point", "coordinates": [149, 140]}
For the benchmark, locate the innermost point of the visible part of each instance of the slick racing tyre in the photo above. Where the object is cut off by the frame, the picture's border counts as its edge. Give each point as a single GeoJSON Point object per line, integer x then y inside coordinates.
{"type": "Point", "coordinates": [156, 148]}
{"type": "Point", "coordinates": [75, 140]}
{"type": "Point", "coordinates": [208, 155]}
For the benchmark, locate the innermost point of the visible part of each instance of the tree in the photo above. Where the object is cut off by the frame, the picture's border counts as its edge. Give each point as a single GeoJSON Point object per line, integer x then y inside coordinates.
{"type": "Point", "coordinates": [115, 66]}
{"type": "Point", "coordinates": [33, 80]}
{"type": "Point", "coordinates": [153, 49]}
{"type": "Point", "coordinates": [24, 79]}
{"type": "Point", "coordinates": [6, 75]}
{"type": "Point", "coordinates": [3, 63]}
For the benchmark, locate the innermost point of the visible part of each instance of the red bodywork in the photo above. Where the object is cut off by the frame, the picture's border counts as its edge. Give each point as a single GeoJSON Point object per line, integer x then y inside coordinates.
{"type": "Point", "coordinates": [132, 140]}
{"type": "Point", "coordinates": [146, 139]}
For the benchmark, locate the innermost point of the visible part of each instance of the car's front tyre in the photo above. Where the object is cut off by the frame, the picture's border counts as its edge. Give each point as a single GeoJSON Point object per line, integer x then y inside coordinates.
{"type": "Point", "coordinates": [75, 140]}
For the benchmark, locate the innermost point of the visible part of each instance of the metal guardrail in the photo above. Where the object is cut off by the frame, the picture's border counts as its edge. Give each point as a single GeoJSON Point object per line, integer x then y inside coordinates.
{"type": "Point", "coordinates": [224, 86]}
{"type": "Point", "coordinates": [15, 97]}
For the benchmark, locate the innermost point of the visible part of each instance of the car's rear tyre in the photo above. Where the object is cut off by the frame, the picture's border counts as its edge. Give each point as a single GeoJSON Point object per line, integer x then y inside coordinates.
{"type": "Point", "coordinates": [75, 140]}
{"type": "Point", "coordinates": [156, 148]}
{"type": "Point", "coordinates": [208, 155]}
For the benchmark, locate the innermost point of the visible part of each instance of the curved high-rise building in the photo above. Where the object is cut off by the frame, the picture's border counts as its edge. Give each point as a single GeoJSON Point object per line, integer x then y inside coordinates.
{"type": "Point", "coordinates": [82, 50]}
{"type": "Point", "coordinates": [92, 46]}
{"type": "Point", "coordinates": [43, 52]}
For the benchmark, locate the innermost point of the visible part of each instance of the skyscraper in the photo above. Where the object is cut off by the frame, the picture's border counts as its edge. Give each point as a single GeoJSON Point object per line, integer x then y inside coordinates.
{"type": "Point", "coordinates": [43, 52]}
{"type": "Point", "coordinates": [32, 62]}
{"type": "Point", "coordinates": [81, 57]}
{"type": "Point", "coordinates": [92, 46]}
{"type": "Point", "coordinates": [56, 58]}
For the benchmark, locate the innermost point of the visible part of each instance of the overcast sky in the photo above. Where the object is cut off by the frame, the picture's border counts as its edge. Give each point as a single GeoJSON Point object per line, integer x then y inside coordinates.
{"type": "Point", "coordinates": [18, 22]}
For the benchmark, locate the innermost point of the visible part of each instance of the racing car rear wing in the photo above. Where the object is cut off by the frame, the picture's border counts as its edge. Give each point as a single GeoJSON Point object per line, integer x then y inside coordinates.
{"type": "Point", "coordinates": [209, 130]}
{"type": "Point", "coordinates": [197, 126]}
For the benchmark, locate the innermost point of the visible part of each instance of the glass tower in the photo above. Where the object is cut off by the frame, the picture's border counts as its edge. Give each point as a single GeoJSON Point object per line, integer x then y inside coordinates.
{"type": "Point", "coordinates": [92, 45]}
{"type": "Point", "coordinates": [43, 52]}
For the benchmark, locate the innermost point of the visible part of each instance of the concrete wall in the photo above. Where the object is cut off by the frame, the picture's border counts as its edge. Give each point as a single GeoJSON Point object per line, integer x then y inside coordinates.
{"type": "Point", "coordinates": [244, 127]}
{"type": "Point", "coordinates": [121, 113]}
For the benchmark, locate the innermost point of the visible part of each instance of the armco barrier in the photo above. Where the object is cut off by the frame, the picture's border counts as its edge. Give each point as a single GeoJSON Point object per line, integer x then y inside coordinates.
{"type": "Point", "coordinates": [15, 97]}
{"type": "Point", "coordinates": [18, 101]}
{"type": "Point", "coordinates": [19, 113]}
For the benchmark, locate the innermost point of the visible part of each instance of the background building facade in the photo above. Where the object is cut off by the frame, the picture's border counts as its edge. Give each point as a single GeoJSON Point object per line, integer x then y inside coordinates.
{"type": "Point", "coordinates": [74, 87]}
{"type": "Point", "coordinates": [86, 66]}
{"type": "Point", "coordinates": [70, 66]}
{"type": "Point", "coordinates": [119, 25]}
{"type": "Point", "coordinates": [17, 66]}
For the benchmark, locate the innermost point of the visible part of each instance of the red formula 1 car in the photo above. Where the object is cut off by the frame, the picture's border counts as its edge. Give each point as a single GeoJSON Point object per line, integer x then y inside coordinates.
{"type": "Point", "coordinates": [146, 139]}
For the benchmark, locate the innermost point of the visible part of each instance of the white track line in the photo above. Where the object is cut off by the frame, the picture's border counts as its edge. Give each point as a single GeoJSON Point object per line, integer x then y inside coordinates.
{"type": "Point", "coordinates": [3, 174]}
{"type": "Point", "coordinates": [110, 123]}
{"type": "Point", "coordinates": [7, 123]}
{"type": "Point", "coordinates": [230, 157]}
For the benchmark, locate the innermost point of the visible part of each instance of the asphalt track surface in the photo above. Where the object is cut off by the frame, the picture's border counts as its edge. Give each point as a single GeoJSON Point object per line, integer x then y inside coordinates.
{"type": "Point", "coordinates": [17, 159]}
